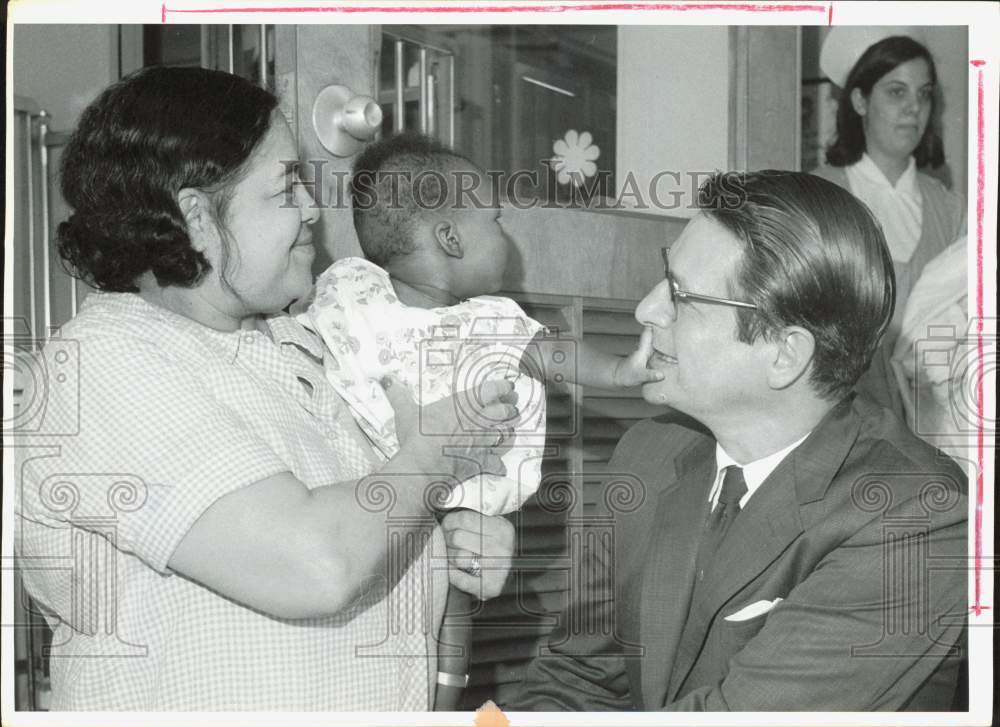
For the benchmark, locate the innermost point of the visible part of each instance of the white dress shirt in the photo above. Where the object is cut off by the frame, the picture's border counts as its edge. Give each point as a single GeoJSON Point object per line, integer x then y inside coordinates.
{"type": "Point", "coordinates": [898, 208]}
{"type": "Point", "coordinates": [754, 473]}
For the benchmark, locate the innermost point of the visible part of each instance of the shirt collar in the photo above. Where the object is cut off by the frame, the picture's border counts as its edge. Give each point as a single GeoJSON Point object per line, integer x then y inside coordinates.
{"type": "Point", "coordinates": [754, 473]}
{"type": "Point", "coordinates": [287, 330]}
{"type": "Point", "coordinates": [869, 171]}
{"type": "Point", "coordinates": [284, 330]}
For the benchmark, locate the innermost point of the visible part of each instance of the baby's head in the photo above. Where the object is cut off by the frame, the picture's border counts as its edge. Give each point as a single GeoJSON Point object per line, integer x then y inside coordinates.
{"type": "Point", "coordinates": [420, 205]}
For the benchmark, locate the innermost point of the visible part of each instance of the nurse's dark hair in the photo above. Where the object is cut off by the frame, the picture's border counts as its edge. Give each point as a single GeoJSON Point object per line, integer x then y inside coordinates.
{"type": "Point", "coordinates": [879, 59]}
{"type": "Point", "coordinates": [145, 138]}
{"type": "Point", "coordinates": [398, 180]}
{"type": "Point", "coordinates": [814, 257]}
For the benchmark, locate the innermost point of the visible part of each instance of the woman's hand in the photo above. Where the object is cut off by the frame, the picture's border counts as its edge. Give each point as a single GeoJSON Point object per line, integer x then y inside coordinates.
{"type": "Point", "coordinates": [631, 370]}
{"type": "Point", "coordinates": [479, 551]}
{"type": "Point", "coordinates": [463, 435]}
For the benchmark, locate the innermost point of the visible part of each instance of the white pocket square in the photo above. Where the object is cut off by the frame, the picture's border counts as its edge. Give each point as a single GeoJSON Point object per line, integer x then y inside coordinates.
{"type": "Point", "coordinates": [753, 610]}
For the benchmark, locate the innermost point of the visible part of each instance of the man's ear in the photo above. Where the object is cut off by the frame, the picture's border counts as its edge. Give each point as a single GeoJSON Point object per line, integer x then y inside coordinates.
{"type": "Point", "coordinates": [859, 102]}
{"type": "Point", "coordinates": [194, 206]}
{"type": "Point", "coordinates": [447, 237]}
{"type": "Point", "coordinates": [793, 353]}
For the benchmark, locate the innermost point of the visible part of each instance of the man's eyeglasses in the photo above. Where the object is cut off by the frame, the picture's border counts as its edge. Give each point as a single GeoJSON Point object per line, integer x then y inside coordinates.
{"type": "Point", "coordinates": [677, 294]}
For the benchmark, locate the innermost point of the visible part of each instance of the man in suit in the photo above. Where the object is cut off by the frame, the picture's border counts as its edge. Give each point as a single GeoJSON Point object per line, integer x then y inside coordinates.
{"type": "Point", "coordinates": [797, 548]}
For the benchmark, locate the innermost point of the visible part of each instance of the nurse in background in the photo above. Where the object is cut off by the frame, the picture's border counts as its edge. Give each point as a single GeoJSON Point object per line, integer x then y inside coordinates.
{"type": "Point", "coordinates": [235, 544]}
{"type": "Point", "coordinates": [884, 137]}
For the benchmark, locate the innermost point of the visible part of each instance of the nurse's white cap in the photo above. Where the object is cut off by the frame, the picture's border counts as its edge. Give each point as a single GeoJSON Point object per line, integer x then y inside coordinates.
{"type": "Point", "coordinates": [845, 44]}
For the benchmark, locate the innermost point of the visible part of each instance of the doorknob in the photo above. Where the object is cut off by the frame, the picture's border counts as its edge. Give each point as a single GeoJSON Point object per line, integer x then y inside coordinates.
{"type": "Point", "coordinates": [344, 121]}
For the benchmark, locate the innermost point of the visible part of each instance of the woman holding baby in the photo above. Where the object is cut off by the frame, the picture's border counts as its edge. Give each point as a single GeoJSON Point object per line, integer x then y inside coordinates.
{"type": "Point", "coordinates": [262, 556]}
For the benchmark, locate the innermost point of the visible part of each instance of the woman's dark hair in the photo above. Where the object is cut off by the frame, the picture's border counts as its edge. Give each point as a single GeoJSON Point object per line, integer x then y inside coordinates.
{"type": "Point", "coordinates": [879, 59]}
{"type": "Point", "coordinates": [146, 137]}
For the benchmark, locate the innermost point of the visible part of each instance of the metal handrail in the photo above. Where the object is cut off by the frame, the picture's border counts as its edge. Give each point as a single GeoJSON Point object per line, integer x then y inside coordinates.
{"type": "Point", "coordinates": [43, 152]}
{"type": "Point", "coordinates": [263, 56]}
{"type": "Point", "coordinates": [29, 152]}
{"type": "Point", "coordinates": [37, 143]}
{"type": "Point", "coordinates": [400, 82]}
{"type": "Point", "coordinates": [427, 86]}
{"type": "Point", "coordinates": [36, 147]}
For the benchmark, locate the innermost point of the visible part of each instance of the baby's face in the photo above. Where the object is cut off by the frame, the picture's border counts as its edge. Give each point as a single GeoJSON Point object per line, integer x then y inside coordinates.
{"type": "Point", "coordinates": [487, 244]}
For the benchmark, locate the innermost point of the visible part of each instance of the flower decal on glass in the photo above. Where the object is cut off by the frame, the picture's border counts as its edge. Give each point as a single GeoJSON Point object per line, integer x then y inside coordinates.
{"type": "Point", "coordinates": [574, 159]}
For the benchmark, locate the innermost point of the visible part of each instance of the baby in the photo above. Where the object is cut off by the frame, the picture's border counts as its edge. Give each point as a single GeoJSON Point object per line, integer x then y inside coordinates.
{"type": "Point", "coordinates": [421, 307]}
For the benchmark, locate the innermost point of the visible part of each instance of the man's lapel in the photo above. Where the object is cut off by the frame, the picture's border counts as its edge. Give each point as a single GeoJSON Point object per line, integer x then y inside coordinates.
{"type": "Point", "coordinates": [765, 528]}
{"type": "Point", "coordinates": [761, 532]}
{"type": "Point", "coordinates": [668, 573]}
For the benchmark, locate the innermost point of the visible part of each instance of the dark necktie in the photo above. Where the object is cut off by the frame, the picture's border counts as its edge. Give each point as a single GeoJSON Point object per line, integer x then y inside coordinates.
{"type": "Point", "coordinates": [734, 487]}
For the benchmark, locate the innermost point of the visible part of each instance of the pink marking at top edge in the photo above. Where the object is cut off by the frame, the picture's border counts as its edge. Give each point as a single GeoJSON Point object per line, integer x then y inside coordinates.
{"type": "Point", "coordinates": [678, 6]}
{"type": "Point", "coordinates": [829, 14]}
{"type": "Point", "coordinates": [980, 455]}
{"type": "Point", "coordinates": [978, 63]}
{"type": "Point", "coordinates": [163, 13]}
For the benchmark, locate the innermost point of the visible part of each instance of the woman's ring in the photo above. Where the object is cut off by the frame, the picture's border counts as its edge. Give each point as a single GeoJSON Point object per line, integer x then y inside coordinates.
{"type": "Point", "coordinates": [501, 435]}
{"type": "Point", "coordinates": [475, 568]}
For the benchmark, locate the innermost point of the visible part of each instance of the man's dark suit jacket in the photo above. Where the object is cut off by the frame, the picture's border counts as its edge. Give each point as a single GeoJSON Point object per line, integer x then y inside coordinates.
{"type": "Point", "coordinates": [861, 531]}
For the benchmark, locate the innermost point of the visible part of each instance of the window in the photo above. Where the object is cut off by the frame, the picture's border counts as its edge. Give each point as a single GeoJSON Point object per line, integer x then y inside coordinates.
{"type": "Point", "coordinates": [504, 95]}
{"type": "Point", "coordinates": [246, 50]}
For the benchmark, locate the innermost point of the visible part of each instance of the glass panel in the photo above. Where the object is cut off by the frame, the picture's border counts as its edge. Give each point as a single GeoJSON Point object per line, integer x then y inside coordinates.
{"type": "Point", "coordinates": [818, 102]}
{"type": "Point", "coordinates": [411, 65]}
{"type": "Point", "coordinates": [247, 51]}
{"type": "Point", "coordinates": [209, 46]}
{"type": "Point", "coordinates": [171, 45]}
{"type": "Point", "coordinates": [430, 82]}
{"type": "Point", "coordinates": [518, 91]}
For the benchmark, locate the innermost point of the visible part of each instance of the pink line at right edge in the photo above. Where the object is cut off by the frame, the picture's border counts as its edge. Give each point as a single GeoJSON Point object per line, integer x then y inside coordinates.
{"type": "Point", "coordinates": [980, 458]}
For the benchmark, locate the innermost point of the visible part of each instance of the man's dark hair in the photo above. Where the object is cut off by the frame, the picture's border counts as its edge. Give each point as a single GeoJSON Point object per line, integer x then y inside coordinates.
{"type": "Point", "coordinates": [146, 137]}
{"type": "Point", "coordinates": [394, 183]}
{"type": "Point", "coordinates": [879, 59]}
{"type": "Point", "coordinates": [813, 256]}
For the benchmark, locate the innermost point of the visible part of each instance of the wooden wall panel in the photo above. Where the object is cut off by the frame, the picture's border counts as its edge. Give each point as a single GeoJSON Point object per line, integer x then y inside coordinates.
{"type": "Point", "coordinates": [764, 97]}
{"type": "Point", "coordinates": [318, 56]}
{"type": "Point", "coordinates": [609, 255]}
